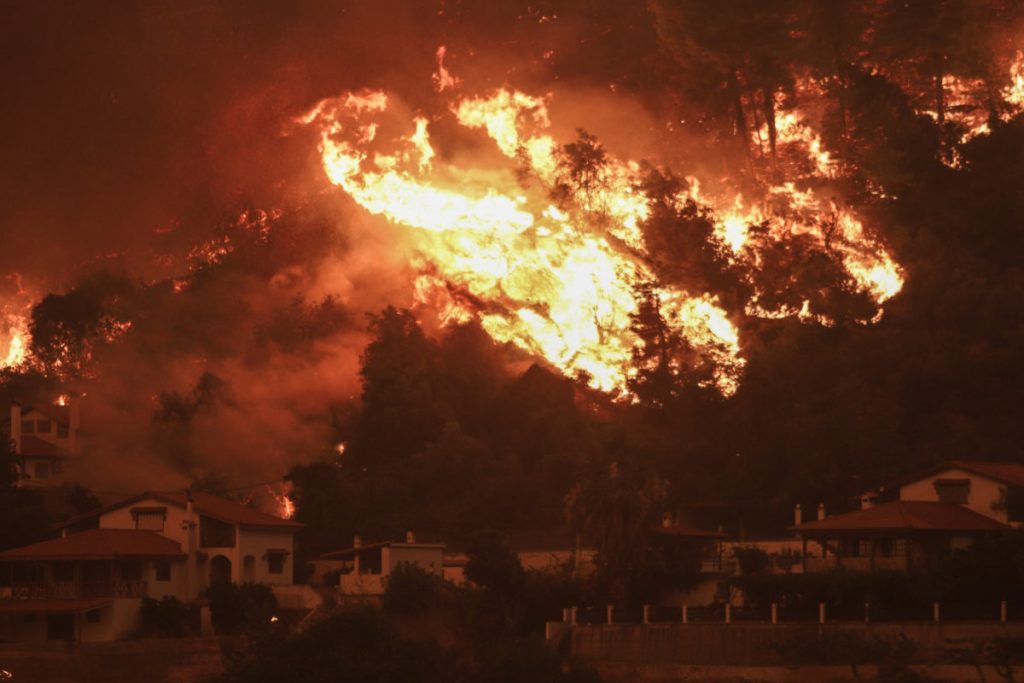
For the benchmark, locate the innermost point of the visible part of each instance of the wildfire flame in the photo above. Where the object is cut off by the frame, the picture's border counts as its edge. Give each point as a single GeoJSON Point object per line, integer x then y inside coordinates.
{"type": "Point", "coordinates": [18, 342]}
{"type": "Point", "coordinates": [558, 279]}
{"type": "Point", "coordinates": [285, 505]}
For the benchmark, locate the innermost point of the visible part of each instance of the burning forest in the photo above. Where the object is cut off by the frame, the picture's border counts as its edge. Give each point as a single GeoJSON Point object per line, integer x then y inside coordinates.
{"type": "Point", "coordinates": [463, 266]}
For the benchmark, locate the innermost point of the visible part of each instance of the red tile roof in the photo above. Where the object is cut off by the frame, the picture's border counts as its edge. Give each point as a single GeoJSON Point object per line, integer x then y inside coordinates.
{"type": "Point", "coordinates": [36, 606]}
{"type": "Point", "coordinates": [33, 446]}
{"type": "Point", "coordinates": [687, 532]}
{"type": "Point", "coordinates": [905, 515]}
{"type": "Point", "coordinates": [205, 504]}
{"type": "Point", "coordinates": [1006, 472]}
{"type": "Point", "coordinates": [367, 547]}
{"type": "Point", "coordinates": [96, 544]}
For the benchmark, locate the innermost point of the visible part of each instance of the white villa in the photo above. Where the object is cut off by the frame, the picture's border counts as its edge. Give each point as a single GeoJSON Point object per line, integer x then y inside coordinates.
{"type": "Point", "coordinates": [88, 585]}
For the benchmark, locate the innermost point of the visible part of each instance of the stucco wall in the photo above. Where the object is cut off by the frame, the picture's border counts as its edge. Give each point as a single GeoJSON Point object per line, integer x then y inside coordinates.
{"type": "Point", "coordinates": [121, 518]}
{"type": "Point", "coordinates": [983, 496]}
{"type": "Point", "coordinates": [256, 543]}
{"type": "Point", "coordinates": [429, 559]}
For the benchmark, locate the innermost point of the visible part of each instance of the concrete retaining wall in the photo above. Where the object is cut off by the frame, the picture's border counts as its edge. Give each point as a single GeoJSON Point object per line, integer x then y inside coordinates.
{"type": "Point", "coordinates": [760, 644]}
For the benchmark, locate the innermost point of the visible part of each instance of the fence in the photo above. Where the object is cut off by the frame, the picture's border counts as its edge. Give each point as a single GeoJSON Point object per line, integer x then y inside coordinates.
{"type": "Point", "coordinates": [775, 613]}
{"type": "Point", "coordinates": [60, 590]}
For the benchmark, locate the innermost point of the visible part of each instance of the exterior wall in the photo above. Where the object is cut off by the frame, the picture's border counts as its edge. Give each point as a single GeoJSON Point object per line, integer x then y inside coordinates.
{"type": "Point", "coordinates": [177, 587]}
{"type": "Point", "coordinates": [984, 497]}
{"type": "Point", "coordinates": [455, 573]}
{"type": "Point", "coordinates": [361, 584]}
{"type": "Point", "coordinates": [51, 436]}
{"type": "Point", "coordinates": [174, 523]}
{"type": "Point", "coordinates": [126, 617]}
{"type": "Point", "coordinates": [555, 559]}
{"type": "Point", "coordinates": [102, 632]}
{"type": "Point", "coordinates": [256, 543]}
{"type": "Point", "coordinates": [428, 558]}
{"type": "Point", "coordinates": [761, 644]}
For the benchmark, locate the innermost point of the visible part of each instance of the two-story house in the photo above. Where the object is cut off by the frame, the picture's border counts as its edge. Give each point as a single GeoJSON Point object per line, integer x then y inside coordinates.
{"type": "Point", "coordinates": [935, 513]}
{"type": "Point", "coordinates": [88, 584]}
{"type": "Point", "coordinates": [46, 439]}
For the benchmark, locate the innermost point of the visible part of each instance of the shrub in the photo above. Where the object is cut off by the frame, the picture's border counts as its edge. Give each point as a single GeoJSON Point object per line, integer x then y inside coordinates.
{"type": "Point", "coordinates": [167, 618]}
{"type": "Point", "coordinates": [236, 609]}
{"type": "Point", "coordinates": [410, 589]}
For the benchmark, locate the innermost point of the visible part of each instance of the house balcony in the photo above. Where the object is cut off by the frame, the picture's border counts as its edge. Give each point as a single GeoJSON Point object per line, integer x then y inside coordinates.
{"type": "Point", "coordinates": [64, 590]}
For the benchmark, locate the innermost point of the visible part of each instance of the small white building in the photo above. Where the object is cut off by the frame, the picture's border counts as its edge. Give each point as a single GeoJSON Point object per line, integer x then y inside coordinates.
{"type": "Point", "coordinates": [362, 570]}
{"type": "Point", "coordinates": [88, 585]}
{"type": "Point", "coordinates": [46, 439]}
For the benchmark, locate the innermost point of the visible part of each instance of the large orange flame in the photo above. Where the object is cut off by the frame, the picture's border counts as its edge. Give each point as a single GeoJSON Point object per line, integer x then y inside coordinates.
{"type": "Point", "coordinates": [557, 279]}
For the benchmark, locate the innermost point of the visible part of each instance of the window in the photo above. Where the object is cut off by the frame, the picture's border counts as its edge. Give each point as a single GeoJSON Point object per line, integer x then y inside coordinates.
{"type": "Point", "coordinates": [953, 490]}
{"type": "Point", "coordinates": [44, 426]}
{"type": "Point", "coordinates": [149, 519]}
{"type": "Point", "coordinates": [864, 548]}
{"type": "Point", "coordinates": [28, 426]}
{"type": "Point", "coordinates": [275, 561]}
{"type": "Point", "coordinates": [899, 547]}
{"type": "Point", "coordinates": [62, 430]}
{"type": "Point", "coordinates": [93, 616]}
{"type": "Point", "coordinates": [163, 570]}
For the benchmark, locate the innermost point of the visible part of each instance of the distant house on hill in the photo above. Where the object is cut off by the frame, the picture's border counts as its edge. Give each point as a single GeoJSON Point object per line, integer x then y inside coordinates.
{"type": "Point", "coordinates": [993, 489]}
{"type": "Point", "coordinates": [88, 585]}
{"type": "Point", "coordinates": [551, 549]}
{"type": "Point", "coordinates": [46, 439]}
{"type": "Point", "coordinates": [362, 571]}
{"type": "Point", "coordinates": [937, 512]}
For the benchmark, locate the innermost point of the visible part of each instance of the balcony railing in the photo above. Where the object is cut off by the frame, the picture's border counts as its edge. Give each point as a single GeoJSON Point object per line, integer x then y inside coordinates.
{"type": "Point", "coordinates": [66, 590]}
{"type": "Point", "coordinates": [862, 564]}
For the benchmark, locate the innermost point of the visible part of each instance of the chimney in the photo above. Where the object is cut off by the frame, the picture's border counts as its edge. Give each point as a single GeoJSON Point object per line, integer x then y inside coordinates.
{"type": "Point", "coordinates": [410, 537]}
{"type": "Point", "coordinates": [868, 499]}
{"type": "Point", "coordinates": [16, 425]}
{"type": "Point", "coordinates": [798, 515]}
{"type": "Point", "coordinates": [821, 511]}
{"type": "Point", "coordinates": [357, 541]}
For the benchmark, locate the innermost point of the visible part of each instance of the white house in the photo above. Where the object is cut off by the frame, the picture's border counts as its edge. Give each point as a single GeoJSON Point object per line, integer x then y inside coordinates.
{"type": "Point", "coordinates": [46, 439]}
{"type": "Point", "coordinates": [993, 489]}
{"type": "Point", "coordinates": [362, 570]}
{"type": "Point", "coordinates": [88, 584]}
{"type": "Point", "coordinates": [938, 511]}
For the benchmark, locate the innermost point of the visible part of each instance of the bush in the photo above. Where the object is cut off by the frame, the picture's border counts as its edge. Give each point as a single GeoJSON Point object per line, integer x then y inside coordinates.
{"type": "Point", "coordinates": [410, 589]}
{"type": "Point", "coordinates": [167, 618]}
{"type": "Point", "coordinates": [351, 646]}
{"type": "Point", "coordinates": [752, 560]}
{"type": "Point", "coordinates": [236, 609]}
